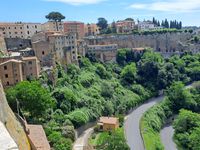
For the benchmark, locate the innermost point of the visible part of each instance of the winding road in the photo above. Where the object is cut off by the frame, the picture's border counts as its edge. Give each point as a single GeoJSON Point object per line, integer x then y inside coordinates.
{"type": "Point", "coordinates": [132, 127]}
{"type": "Point", "coordinates": [132, 124]}
{"type": "Point", "coordinates": [166, 135]}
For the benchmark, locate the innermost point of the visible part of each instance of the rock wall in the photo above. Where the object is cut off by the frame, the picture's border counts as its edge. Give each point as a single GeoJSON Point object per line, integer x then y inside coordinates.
{"type": "Point", "coordinates": [164, 43]}
{"type": "Point", "coordinates": [11, 123]}
{"type": "Point", "coordinates": [17, 43]}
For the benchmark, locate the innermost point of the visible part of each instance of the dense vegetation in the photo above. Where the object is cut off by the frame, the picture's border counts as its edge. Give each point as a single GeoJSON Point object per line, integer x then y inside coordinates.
{"type": "Point", "coordinates": [69, 98]}
{"type": "Point", "coordinates": [114, 140]}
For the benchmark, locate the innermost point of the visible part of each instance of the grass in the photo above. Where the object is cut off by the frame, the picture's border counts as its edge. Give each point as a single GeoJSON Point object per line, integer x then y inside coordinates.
{"type": "Point", "coordinates": [151, 138]}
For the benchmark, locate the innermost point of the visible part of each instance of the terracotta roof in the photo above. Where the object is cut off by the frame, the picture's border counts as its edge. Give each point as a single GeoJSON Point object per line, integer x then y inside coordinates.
{"type": "Point", "coordinates": [108, 120]}
{"type": "Point", "coordinates": [37, 137]}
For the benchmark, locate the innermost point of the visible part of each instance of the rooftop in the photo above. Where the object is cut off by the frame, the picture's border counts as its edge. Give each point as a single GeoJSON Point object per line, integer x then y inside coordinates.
{"type": "Point", "coordinates": [108, 120]}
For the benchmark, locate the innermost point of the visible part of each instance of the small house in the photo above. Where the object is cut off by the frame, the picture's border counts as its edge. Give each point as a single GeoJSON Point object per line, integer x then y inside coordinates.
{"type": "Point", "coordinates": [108, 123]}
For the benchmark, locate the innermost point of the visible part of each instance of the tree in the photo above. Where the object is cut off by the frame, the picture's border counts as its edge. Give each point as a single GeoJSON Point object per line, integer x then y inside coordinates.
{"type": "Point", "coordinates": [128, 74]}
{"type": "Point", "coordinates": [187, 130]}
{"type": "Point", "coordinates": [116, 141]}
{"type": "Point", "coordinates": [34, 100]}
{"type": "Point", "coordinates": [55, 16]}
{"type": "Point", "coordinates": [180, 97]}
{"type": "Point", "coordinates": [66, 99]}
{"type": "Point", "coordinates": [129, 19]}
{"type": "Point", "coordinates": [102, 23]}
{"type": "Point", "coordinates": [63, 144]}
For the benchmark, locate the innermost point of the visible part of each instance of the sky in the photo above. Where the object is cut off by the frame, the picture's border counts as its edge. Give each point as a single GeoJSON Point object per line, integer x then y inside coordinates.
{"type": "Point", "coordinates": [187, 11]}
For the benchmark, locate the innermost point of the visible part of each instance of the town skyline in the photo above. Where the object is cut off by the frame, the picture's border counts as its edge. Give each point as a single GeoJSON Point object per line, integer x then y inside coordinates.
{"type": "Point", "coordinates": [89, 11]}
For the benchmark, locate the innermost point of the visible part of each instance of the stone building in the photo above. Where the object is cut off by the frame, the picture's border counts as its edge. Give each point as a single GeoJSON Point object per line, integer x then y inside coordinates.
{"type": "Point", "coordinates": [125, 26]}
{"type": "Point", "coordinates": [19, 30]}
{"type": "Point", "coordinates": [91, 29]}
{"type": "Point", "coordinates": [108, 123]}
{"type": "Point", "coordinates": [16, 69]}
{"type": "Point", "coordinates": [103, 53]}
{"type": "Point", "coordinates": [51, 47]}
{"type": "Point", "coordinates": [51, 26]}
{"type": "Point", "coordinates": [75, 27]}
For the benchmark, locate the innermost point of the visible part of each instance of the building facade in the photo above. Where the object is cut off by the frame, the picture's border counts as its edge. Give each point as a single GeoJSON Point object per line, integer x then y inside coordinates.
{"type": "Point", "coordinates": [91, 30]}
{"type": "Point", "coordinates": [51, 26]}
{"type": "Point", "coordinates": [19, 69]}
{"type": "Point", "coordinates": [103, 53]}
{"type": "Point", "coordinates": [108, 123]}
{"type": "Point", "coordinates": [75, 27]}
{"type": "Point", "coordinates": [19, 30]}
{"type": "Point", "coordinates": [51, 47]}
{"type": "Point", "coordinates": [146, 25]}
{"type": "Point", "coordinates": [125, 26]}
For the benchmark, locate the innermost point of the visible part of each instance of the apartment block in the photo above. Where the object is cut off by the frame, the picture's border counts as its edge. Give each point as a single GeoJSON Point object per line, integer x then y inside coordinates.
{"type": "Point", "coordinates": [103, 53]}
{"type": "Point", "coordinates": [74, 27]}
{"type": "Point", "coordinates": [91, 30]}
{"type": "Point", "coordinates": [19, 69]}
{"type": "Point", "coordinates": [51, 47]}
{"type": "Point", "coordinates": [51, 26]}
{"type": "Point", "coordinates": [125, 26]}
{"type": "Point", "coordinates": [19, 30]}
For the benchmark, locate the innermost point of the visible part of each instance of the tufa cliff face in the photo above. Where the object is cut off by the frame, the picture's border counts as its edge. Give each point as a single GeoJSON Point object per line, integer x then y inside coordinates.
{"type": "Point", "coordinates": [164, 43]}
{"type": "Point", "coordinates": [11, 123]}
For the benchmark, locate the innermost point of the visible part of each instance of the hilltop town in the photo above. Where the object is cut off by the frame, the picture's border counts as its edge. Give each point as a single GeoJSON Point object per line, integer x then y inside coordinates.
{"type": "Point", "coordinates": [101, 85]}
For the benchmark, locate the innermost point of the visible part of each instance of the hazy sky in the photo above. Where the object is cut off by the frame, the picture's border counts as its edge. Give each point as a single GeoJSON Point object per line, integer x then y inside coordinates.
{"type": "Point", "coordinates": [187, 11]}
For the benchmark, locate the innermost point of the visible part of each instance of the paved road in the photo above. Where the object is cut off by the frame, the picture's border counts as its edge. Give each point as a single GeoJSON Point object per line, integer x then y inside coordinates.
{"type": "Point", "coordinates": [167, 137]}
{"type": "Point", "coordinates": [167, 133]}
{"type": "Point", "coordinates": [132, 128]}
{"type": "Point", "coordinates": [82, 141]}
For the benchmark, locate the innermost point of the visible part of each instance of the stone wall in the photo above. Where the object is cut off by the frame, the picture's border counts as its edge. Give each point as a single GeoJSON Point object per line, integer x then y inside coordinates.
{"type": "Point", "coordinates": [17, 43]}
{"type": "Point", "coordinates": [164, 43]}
{"type": "Point", "coordinates": [11, 123]}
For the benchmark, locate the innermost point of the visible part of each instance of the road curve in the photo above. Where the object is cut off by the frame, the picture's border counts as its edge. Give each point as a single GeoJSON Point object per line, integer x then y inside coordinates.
{"type": "Point", "coordinates": [82, 141]}
{"type": "Point", "coordinates": [132, 124]}
{"type": "Point", "coordinates": [166, 135]}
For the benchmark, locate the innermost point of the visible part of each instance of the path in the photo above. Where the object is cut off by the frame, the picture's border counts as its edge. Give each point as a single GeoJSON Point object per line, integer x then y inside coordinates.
{"type": "Point", "coordinates": [82, 140]}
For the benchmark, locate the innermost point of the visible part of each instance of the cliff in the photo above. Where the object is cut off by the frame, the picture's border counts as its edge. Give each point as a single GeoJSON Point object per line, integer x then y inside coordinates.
{"type": "Point", "coordinates": [9, 120]}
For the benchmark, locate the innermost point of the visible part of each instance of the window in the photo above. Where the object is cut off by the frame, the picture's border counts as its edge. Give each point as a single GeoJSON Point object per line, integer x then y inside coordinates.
{"type": "Point", "coordinates": [20, 27]}
{"type": "Point", "coordinates": [42, 52]}
{"type": "Point", "coordinates": [15, 28]}
{"type": "Point", "coordinates": [16, 81]}
{"type": "Point", "coordinates": [27, 26]}
{"type": "Point", "coordinates": [36, 26]}
{"type": "Point", "coordinates": [28, 32]}
{"type": "Point", "coordinates": [8, 83]}
{"type": "Point", "coordinates": [30, 62]}
{"type": "Point", "coordinates": [6, 75]}
{"type": "Point", "coordinates": [5, 67]}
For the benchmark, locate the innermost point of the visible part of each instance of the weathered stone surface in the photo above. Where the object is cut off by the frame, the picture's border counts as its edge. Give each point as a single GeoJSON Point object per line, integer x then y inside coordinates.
{"type": "Point", "coordinates": [8, 118]}
{"type": "Point", "coordinates": [164, 43]}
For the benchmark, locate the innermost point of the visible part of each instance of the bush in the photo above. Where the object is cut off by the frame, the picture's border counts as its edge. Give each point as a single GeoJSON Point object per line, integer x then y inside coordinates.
{"type": "Point", "coordinates": [68, 132]}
